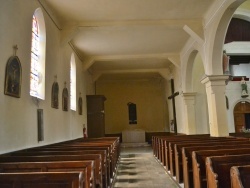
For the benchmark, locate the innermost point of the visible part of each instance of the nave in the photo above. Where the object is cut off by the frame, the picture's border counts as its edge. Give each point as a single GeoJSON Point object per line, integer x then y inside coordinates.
{"type": "Point", "coordinates": [138, 168]}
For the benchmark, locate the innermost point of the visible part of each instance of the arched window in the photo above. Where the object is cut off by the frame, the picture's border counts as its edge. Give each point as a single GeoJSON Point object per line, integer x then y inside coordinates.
{"type": "Point", "coordinates": [37, 66]}
{"type": "Point", "coordinates": [72, 83]}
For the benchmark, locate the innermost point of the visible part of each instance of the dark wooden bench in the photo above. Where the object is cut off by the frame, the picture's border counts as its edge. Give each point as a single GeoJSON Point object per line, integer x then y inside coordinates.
{"type": "Point", "coordinates": [96, 157]}
{"type": "Point", "coordinates": [197, 146]}
{"type": "Point", "coordinates": [41, 180]}
{"type": "Point", "coordinates": [187, 158]}
{"type": "Point", "coordinates": [53, 158]}
{"type": "Point", "coordinates": [159, 144]}
{"type": "Point", "coordinates": [211, 140]}
{"type": "Point", "coordinates": [199, 167]}
{"type": "Point", "coordinates": [111, 145]}
{"type": "Point", "coordinates": [162, 150]}
{"type": "Point", "coordinates": [240, 176]}
{"type": "Point", "coordinates": [55, 166]}
{"type": "Point", "coordinates": [69, 151]}
{"type": "Point", "coordinates": [218, 169]}
{"type": "Point", "coordinates": [105, 150]}
{"type": "Point", "coordinates": [110, 161]}
{"type": "Point", "coordinates": [166, 151]}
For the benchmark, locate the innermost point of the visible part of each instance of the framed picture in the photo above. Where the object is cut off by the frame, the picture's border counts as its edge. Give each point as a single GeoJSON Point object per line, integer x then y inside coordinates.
{"type": "Point", "coordinates": [13, 77]}
{"type": "Point", "coordinates": [40, 127]}
{"type": "Point", "coordinates": [54, 95]}
{"type": "Point", "coordinates": [80, 105]}
{"type": "Point", "coordinates": [65, 97]}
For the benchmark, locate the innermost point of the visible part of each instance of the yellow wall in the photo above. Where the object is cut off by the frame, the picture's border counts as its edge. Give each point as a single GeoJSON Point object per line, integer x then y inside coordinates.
{"type": "Point", "coordinates": [149, 97]}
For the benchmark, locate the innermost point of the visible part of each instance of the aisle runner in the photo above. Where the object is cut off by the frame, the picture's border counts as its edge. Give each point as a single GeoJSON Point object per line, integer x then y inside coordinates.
{"type": "Point", "coordinates": [138, 168]}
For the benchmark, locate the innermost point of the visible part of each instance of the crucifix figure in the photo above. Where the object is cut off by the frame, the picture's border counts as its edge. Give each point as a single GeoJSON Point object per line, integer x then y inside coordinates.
{"type": "Point", "coordinates": [172, 97]}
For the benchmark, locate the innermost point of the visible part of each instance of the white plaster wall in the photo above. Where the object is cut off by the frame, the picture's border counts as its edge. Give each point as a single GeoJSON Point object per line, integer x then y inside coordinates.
{"type": "Point", "coordinates": [18, 116]}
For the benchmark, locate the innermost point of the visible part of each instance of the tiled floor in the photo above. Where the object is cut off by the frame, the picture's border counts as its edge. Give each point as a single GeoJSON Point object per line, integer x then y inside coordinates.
{"type": "Point", "coordinates": [138, 168]}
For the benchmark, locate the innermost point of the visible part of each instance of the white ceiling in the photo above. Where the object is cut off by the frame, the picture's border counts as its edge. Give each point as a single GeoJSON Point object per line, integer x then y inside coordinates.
{"type": "Point", "coordinates": [136, 35]}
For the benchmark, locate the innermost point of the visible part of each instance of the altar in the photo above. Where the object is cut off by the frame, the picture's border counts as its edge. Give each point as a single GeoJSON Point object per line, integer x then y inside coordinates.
{"type": "Point", "coordinates": [133, 136]}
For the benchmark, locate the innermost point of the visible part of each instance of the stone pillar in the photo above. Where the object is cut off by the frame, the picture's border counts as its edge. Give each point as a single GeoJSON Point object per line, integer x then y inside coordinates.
{"type": "Point", "coordinates": [215, 89]}
{"type": "Point", "coordinates": [189, 112]}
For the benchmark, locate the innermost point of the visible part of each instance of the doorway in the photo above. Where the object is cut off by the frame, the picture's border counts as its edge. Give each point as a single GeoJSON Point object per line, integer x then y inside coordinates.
{"type": "Point", "coordinates": [242, 116]}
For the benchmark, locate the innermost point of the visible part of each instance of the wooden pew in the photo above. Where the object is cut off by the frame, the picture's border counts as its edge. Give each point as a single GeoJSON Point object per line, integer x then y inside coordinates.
{"type": "Point", "coordinates": [169, 150]}
{"type": "Point", "coordinates": [240, 176]}
{"type": "Point", "coordinates": [88, 156]}
{"type": "Point", "coordinates": [111, 145]}
{"type": "Point", "coordinates": [187, 158]}
{"type": "Point", "coordinates": [159, 146]}
{"type": "Point", "coordinates": [74, 147]}
{"type": "Point", "coordinates": [211, 140]}
{"type": "Point", "coordinates": [96, 145]}
{"type": "Point", "coordinates": [193, 146]}
{"type": "Point", "coordinates": [218, 169]}
{"type": "Point", "coordinates": [199, 167]}
{"type": "Point", "coordinates": [53, 158]}
{"type": "Point", "coordinates": [61, 166]}
{"type": "Point", "coordinates": [41, 180]}
{"type": "Point", "coordinates": [164, 155]}
{"type": "Point", "coordinates": [67, 151]}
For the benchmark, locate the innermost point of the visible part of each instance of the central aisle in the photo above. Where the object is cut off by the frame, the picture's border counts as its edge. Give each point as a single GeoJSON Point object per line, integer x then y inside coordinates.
{"type": "Point", "coordinates": [138, 168]}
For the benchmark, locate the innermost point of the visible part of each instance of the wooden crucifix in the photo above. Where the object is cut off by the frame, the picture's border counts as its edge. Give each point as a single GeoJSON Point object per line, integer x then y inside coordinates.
{"type": "Point", "coordinates": [172, 97]}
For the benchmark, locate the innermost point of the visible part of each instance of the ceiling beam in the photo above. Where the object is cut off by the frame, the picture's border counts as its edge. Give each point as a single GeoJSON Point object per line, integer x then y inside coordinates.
{"type": "Point", "coordinates": [173, 22]}
{"type": "Point", "coordinates": [131, 57]}
{"type": "Point", "coordinates": [68, 34]}
{"type": "Point", "coordinates": [88, 63]}
{"type": "Point", "coordinates": [165, 73]}
{"type": "Point", "coordinates": [176, 60]}
{"type": "Point", "coordinates": [196, 33]}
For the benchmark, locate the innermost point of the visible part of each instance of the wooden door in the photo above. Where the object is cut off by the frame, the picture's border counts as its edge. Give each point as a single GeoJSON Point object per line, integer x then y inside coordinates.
{"type": "Point", "coordinates": [241, 110]}
{"type": "Point", "coordinates": [95, 116]}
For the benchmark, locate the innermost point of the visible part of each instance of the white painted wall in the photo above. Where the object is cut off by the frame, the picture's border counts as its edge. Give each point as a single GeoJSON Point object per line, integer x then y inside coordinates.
{"type": "Point", "coordinates": [18, 116]}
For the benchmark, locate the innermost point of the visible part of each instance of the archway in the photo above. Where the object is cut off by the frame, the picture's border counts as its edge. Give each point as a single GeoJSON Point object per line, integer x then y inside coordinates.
{"type": "Point", "coordinates": [242, 116]}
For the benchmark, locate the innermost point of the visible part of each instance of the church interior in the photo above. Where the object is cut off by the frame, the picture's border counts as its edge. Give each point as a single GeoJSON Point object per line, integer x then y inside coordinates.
{"type": "Point", "coordinates": [109, 75]}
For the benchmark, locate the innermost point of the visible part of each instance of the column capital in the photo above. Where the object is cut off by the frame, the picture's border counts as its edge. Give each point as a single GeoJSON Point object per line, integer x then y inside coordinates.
{"type": "Point", "coordinates": [218, 79]}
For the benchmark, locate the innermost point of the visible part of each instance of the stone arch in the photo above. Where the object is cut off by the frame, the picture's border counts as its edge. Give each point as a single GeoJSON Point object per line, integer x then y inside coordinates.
{"type": "Point", "coordinates": [217, 36]}
{"type": "Point", "coordinates": [188, 71]}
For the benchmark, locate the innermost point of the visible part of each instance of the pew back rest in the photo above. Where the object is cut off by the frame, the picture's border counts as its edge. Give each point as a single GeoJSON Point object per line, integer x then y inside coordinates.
{"type": "Point", "coordinates": [240, 176]}
{"type": "Point", "coordinates": [218, 168]}
{"type": "Point", "coordinates": [41, 180]}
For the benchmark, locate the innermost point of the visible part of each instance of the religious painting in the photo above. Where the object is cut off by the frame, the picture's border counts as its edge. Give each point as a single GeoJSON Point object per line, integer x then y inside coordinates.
{"type": "Point", "coordinates": [40, 128]}
{"type": "Point", "coordinates": [80, 105]}
{"type": "Point", "coordinates": [132, 113]}
{"type": "Point", "coordinates": [65, 97]}
{"type": "Point", "coordinates": [13, 77]}
{"type": "Point", "coordinates": [54, 95]}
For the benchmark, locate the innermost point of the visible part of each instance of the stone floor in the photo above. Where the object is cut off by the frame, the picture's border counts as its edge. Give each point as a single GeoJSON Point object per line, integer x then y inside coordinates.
{"type": "Point", "coordinates": [138, 168]}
